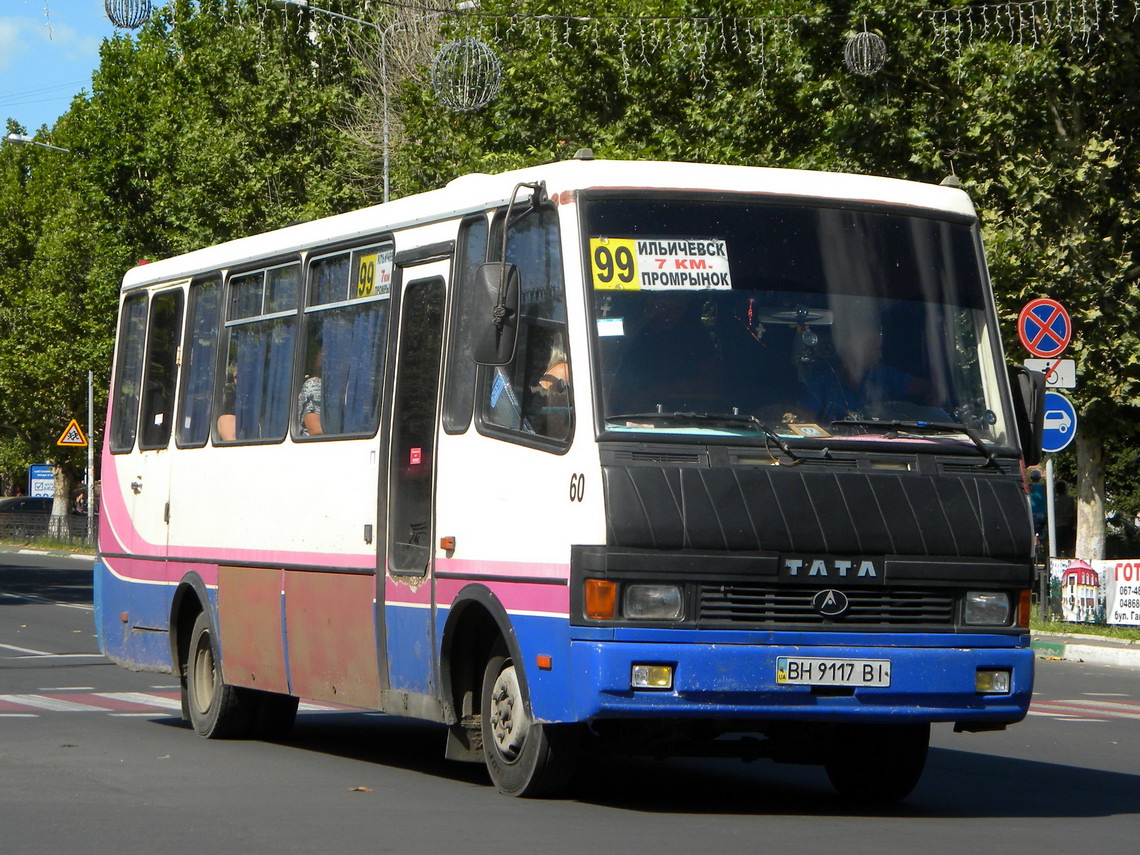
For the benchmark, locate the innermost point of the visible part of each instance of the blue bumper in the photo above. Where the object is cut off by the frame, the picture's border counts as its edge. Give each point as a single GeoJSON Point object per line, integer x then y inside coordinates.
{"type": "Point", "coordinates": [717, 681]}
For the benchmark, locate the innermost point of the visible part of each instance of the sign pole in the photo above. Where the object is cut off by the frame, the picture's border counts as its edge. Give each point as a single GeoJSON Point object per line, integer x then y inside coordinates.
{"type": "Point", "coordinates": [1049, 494]}
{"type": "Point", "coordinates": [90, 458]}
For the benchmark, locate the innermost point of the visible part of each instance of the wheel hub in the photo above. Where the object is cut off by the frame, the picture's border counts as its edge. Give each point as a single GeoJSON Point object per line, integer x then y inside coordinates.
{"type": "Point", "coordinates": [509, 721]}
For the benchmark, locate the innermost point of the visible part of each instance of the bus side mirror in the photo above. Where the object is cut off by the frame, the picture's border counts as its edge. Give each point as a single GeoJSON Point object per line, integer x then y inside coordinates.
{"type": "Point", "coordinates": [496, 313]}
{"type": "Point", "coordinates": [1029, 410]}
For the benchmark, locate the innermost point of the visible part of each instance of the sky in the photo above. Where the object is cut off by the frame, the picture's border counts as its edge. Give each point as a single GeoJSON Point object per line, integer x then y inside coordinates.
{"type": "Point", "coordinates": [48, 52]}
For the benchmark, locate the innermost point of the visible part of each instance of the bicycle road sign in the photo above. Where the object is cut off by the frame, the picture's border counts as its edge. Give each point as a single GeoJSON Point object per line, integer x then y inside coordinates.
{"type": "Point", "coordinates": [1044, 327]}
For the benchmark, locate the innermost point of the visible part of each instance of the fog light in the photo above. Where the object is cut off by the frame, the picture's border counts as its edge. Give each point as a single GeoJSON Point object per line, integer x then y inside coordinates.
{"type": "Point", "coordinates": [992, 682]}
{"type": "Point", "coordinates": [651, 677]}
{"type": "Point", "coordinates": [651, 602]}
{"type": "Point", "coordinates": [986, 608]}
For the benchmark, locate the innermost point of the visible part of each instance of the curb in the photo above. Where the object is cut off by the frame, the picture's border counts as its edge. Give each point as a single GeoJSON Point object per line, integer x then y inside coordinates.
{"type": "Point", "coordinates": [1100, 652]}
{"type": "Point", "coordinates": [55, 553]}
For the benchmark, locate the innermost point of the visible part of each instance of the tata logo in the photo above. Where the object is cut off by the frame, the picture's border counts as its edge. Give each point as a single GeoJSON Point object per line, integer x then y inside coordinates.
{"type": "Point", "coordinates": [830, 603]}
{"type": "Point", "coordinates": [830, 568]}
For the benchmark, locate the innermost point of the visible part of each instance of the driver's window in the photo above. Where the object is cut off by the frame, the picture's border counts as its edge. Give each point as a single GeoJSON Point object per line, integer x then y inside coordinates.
{"type": "Point", "coordinates": [531, 396]}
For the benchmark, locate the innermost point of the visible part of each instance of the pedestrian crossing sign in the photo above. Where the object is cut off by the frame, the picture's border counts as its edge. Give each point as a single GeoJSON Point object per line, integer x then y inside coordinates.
{"type": "Point", "coordinates": [72, 436]}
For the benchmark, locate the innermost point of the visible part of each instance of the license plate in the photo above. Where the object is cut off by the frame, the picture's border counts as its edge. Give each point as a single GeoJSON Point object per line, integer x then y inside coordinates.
{"type": "Point", "coordinates": [810, 671]}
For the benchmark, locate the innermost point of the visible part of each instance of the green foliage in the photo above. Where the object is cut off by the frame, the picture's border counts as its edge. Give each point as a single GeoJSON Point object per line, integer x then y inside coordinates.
{"type": "Point", "coordinates": [218, 120]}
{"type": "Point", "coordinates": [221, 117]}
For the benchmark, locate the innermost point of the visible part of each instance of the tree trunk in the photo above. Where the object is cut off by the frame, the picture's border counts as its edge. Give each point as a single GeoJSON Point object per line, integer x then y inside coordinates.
{"type": "Point", "coordinates": [1090, 497]}
{"type": "Point", "coordinates": [59, 527]}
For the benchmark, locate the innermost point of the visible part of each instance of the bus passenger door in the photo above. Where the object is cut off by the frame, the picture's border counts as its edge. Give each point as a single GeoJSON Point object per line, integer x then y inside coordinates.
{"type": "Point", "coordinates": [408, 601]}
{"type": "Point", "coordinates": [149, 466]}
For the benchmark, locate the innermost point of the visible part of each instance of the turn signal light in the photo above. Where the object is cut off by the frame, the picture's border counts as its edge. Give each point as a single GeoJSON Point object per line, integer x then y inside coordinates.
{"type": "Point", "coordinates": [601, 599]}
{"type": "Point", "coordinates": [1024, 606]}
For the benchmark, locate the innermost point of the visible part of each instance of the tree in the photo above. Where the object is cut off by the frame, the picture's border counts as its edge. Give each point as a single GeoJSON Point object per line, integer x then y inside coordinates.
{"type": "Point", "coordinates": [217, 120]}
{"type": "Point", "coordinates": [1034, 106]}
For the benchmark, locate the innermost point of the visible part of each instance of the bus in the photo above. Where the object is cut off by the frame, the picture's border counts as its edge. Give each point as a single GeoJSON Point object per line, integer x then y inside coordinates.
{"type": "Point", "coordinates": [588, 457]}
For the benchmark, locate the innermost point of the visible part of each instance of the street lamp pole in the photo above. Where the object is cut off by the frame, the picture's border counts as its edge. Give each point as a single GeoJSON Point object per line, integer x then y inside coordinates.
{"type": "Point", "coordinates": [24, 139]}
{"type": "Point", "coordinates": [383, 31]}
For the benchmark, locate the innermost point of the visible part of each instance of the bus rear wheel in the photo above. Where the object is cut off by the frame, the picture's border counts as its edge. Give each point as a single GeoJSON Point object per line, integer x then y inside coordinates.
{"type": "Point", "coordinates": [523, 757]}
{"type": "Point", "coordinates": [217, 711]}
{"type": "Point", "coordinates": [877, 764]}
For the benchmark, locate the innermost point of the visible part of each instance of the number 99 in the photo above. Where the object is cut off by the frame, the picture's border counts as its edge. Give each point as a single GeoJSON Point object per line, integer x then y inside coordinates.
{"type": "Point", "coordinates": [619, 261]}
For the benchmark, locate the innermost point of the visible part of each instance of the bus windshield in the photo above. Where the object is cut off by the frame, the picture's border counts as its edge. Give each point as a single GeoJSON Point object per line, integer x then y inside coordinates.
{"type": "Point", "coordinates": [793, 320]}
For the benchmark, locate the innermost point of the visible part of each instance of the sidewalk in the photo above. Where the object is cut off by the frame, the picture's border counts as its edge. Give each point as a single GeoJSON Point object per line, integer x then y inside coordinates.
{"type": "Point", "coordinates": [58, 552]}
{"type": "Point", "coordinates": [1094, 649]}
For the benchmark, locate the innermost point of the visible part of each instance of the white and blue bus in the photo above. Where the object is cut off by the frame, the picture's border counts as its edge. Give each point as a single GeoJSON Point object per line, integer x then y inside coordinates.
{"type": "Point", "coordinates": [591, 456]}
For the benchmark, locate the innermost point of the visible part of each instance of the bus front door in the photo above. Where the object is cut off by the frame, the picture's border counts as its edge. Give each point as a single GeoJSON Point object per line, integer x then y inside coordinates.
{"type": "Point", "coordinates": [408, 602]}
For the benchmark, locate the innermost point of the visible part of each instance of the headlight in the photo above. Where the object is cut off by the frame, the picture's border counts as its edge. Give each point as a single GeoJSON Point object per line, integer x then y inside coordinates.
{"type": "Point", "coordinates": [652, 602]}
{"type": "Point", "coordinates": [986, 608]}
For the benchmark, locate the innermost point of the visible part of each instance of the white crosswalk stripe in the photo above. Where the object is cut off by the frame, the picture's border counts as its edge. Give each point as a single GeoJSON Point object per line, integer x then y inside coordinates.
{"type": "Point", "coordinates": [1085, 708]}
{"type": "Point", "coordinates": [54, 704]}
{"type": "Point", "coordinates": [141, 698]}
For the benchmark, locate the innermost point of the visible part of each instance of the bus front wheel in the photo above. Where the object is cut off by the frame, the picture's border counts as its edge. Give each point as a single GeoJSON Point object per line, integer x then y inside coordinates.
{"type": "Point", "coordinates": [523, 757]}
{"type": "Point", "coordinates": [877, 764]}
{"type": "Point", "coordinates": [217, 711]}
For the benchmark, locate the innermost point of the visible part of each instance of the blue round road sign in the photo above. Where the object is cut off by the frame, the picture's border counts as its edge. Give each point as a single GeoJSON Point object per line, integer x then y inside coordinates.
{"type": "Point", "coordinates": [1060, 422]}
{"type": "Point", "coordinates": [1044, 327]}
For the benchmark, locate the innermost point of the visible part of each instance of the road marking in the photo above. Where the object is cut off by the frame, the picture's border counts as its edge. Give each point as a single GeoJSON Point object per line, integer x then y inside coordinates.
{"type": "Point", "coordinates": [45, 702]}
{"type": "Point", "coordinates": [25, 650]}
{"type": "Point", "coordinates": [142, 704]}
{"type": "Point", "coordinates": [139, 698]}
{"type": "Point", "coordinates": [1078, 707]}
{"type": "Point", "coordinates": [28, 653]}
{"type": "Point", "coordinates": [32, 598]}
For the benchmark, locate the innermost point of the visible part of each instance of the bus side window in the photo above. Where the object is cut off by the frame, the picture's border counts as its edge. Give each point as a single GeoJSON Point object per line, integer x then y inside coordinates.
{"type": "Point", "coordinates": [345, 335]}
{"type": "Point", "coordinates": [261, 326]}
{"type": "Point", "coordinates": [200, 355]}
{"type": "Point", "coordinates": [459, 379]}
{"type": "Point", "coordinates": [128, 374]}
{"type": "Point", "coordinates": [161, 369]}
{"type": "Point", "coordinates": [531, 395]}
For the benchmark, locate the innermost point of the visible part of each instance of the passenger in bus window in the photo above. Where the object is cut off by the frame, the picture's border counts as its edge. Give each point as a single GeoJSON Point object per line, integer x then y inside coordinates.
{"type": "Point", "coordinates": [227, 421]}
{"type": "Point", "coordinates": [309, 398]}
{"type": "Point", "coordinates": [549, 405]}
{"type": "Point", "coordinates": [557, 375]}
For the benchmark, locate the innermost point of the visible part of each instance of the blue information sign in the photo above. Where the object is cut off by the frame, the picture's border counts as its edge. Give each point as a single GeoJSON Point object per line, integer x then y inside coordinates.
{"type": "Point", "coordinates": [1060, 422]}
{"type": "Point", "coordinates": [40, 482]}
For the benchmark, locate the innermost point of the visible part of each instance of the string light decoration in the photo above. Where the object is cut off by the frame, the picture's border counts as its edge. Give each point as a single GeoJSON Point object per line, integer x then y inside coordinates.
{"type": "Point", "coordinates": [865, 54]}
{"type": "Point", "coordinates": [465, 74]}
{"type": "Point", "coordinates": [128, 14]}
{"type": "Point", "coordinates": [1027, 23]}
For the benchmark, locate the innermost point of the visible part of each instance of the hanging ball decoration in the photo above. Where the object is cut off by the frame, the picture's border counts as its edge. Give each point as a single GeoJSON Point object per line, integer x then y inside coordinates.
{"type": "Point", "coordinates": [465, 74]}
{"type": "Point", "coordinates": [128, 14]}
{"type": "Point", "coordinates": [865, 54]}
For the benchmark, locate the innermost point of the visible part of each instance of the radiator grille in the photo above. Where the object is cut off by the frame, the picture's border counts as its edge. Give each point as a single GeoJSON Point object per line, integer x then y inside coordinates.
{"type": "Point", "coordinates": [740, 604]}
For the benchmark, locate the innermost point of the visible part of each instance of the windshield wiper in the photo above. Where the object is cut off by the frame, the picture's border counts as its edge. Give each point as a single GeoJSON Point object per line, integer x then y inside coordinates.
{"type": "Point", "coordinates": [899, 426]}
{"type": "Point", "coordinates": [723, 418]}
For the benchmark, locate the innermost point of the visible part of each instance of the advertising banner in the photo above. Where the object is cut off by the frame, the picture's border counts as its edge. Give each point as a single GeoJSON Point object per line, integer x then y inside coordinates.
{"type": "Point", "coordinates": [1099, 592]}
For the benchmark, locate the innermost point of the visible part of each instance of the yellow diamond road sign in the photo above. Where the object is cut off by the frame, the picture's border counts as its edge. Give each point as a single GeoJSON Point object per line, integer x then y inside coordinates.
{"type": "Point", "coordinates": [72, 435]}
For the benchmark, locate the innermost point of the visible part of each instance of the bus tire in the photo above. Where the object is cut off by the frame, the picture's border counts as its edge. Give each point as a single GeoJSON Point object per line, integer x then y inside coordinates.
{"type": "Point", "coordinates": [877, 764]}
{"type": "Point", "coordinates": [523, 758]}
{"type": "Point", "coordinates": [217, 711]}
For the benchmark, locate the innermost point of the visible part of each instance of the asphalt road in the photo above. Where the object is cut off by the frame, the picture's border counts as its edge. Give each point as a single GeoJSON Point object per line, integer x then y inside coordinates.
{"type": "Point", "coordinates": [94, 759]}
